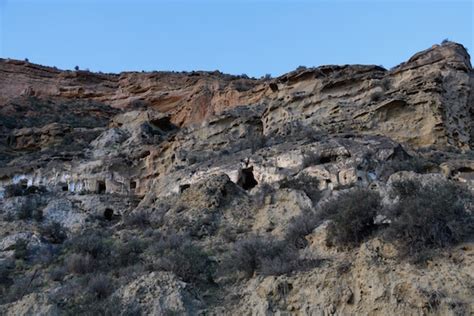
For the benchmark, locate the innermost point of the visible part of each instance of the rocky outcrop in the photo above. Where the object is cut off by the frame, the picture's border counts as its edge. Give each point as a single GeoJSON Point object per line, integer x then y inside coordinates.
{"type": "Point", "coordinates": [142, 193]}
{"type": "Point", "coordinates": [423, 102]}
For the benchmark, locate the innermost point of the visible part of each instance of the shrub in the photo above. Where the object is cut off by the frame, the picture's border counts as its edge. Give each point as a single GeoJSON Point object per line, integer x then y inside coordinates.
{"type": "Point", "coordinates": [305, 183]}
{"type": "Point", "coordinates": [57, 273]}
{"type": "Point", "coordinates": [176, 253]}
{"type": "Point", "coordinates": [6, 267]}
{"type": "Point", "coordinates": [301, 226]}
{"type": "Point", "coordinates": [19, 189]}
{"type": "Point", "coordinates": [376, 96]}
{"type": "Point", "coordinates": [12, 190]}
{"type": "Point", "coordinates": [139, 219]}
{"type": "Point", "coordinates": [54, 232]}
{"type": "Point", "coordinates": [80, 264]}
{"type": "Point", "coordinates": [91, 243]}
{"type": "Point", "coordinates": [100, 286]}
{"type": "Point", "coordinates": [29, 210]}
{"type": "Point", "coordinates": [264, 256]}
{"type": "Point", "coordinates": [128, 253]}
{"type": "Point", "coordinates": [385, 83]}
{"type": "Point", "coordinates": [352, 215]}
{"type": "Point", "coordinates": [427, 217]}
{"type": "Point", "coordinates": [21, 249]}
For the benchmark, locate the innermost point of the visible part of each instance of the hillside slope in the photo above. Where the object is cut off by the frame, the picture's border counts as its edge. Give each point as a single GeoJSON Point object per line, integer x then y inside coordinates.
{"type": "Point", "coordinates": [329, 190]}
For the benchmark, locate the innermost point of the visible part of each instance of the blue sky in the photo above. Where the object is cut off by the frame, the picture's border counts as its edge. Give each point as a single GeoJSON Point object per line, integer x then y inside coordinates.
{"type": "Point", "coordinates": [252, 37]}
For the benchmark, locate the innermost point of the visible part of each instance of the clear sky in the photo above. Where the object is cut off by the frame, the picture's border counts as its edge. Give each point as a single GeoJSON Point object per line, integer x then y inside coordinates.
{"type": "Point", "coordinates": [252, 37]}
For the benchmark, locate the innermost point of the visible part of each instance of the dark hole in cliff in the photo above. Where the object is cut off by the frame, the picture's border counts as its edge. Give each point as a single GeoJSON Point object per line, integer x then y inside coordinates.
{"type": "Point", "coordinates": [133, 185]}
{"type": "Point", "coordinates": [274, 87]}
{"type": "Point", "coordinates": [108, 214]}
{"type": "Point", "coordinates": [246, 179]}
{"type": "Point", "coordinates": [64, 187]}
{"type": "Point", "coordinates": [101, 187]}
{"type": "Point", "coordinates": [184, 187]}
{"type": "Point", "coordinates": [163, 124]}
{"type": "Point", "coordinates": [327, 159]}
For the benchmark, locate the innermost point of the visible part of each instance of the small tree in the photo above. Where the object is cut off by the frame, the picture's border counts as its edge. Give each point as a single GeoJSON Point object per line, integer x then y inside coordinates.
{"type": "Point", "coordinates": [76, 68]}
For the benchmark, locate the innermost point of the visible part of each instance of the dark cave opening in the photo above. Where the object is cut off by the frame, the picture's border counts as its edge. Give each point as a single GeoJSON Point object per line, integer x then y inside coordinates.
{"type": "Point", "coordinates": [108, 214]}
{"type": "Point", "coordinates": [101, 188]}
{"type": "Point", "coordinates": [246, 179]}
{"type": "Point", "coordinates": [184, 187]}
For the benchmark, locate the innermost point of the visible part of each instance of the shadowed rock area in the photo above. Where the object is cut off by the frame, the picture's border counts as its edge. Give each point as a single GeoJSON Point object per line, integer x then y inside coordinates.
{"type": "Point", "coordinates": [330, 190]}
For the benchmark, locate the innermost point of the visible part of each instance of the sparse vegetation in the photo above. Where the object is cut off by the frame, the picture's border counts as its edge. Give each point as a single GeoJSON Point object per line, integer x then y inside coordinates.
{"type": "Point", "coordinates": [429, 216]}
{"type": "Point", "coordinates": [262, 256]}
{"type": "Point", "coordinates": [302, 226]}
{"type": "Point", "coordinates": [80, 263]}
{"type": "Point", "coordinates": [100, 286]}
{"type": "Point", "coordinates": [352, 216]}
{"type": "Point", "coordinates": [53, 232]}
{"type": "Point", "coordinates": [385, 83]}
{"type": "Point", "coordinates": [178, 254]}
{"type": "Point", "coordinates": [376, 96]}
{"type": "Point", "coordinates": [139, 219]}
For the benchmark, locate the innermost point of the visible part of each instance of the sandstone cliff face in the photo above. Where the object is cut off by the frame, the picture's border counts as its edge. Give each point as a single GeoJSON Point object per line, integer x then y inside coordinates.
{"type": "Point", "coordinates": [128, 193]}
{"type": "Point", "coordinates": [424, 101]}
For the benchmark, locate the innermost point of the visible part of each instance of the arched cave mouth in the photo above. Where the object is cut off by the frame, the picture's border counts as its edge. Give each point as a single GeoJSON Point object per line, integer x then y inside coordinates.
{"type": "Point", "coordinates": [246, 179]}
{"type": "Point", "coordinates": [108, 214]}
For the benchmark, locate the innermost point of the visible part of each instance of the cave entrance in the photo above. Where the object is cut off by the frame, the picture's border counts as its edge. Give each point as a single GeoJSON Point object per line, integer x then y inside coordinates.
{"type": "Point", "coordinates": [133, 185]}
{"type": "Point", "coordinates": [184, 187]}
{"type": "Point", "coordinates": [246, 179]}
{"type": "Point", "coordinates": [164, 124]}
{"type": "Point", "coordinates": [108, 214]}
{"type": "Point", "coordinates": [101, 188]}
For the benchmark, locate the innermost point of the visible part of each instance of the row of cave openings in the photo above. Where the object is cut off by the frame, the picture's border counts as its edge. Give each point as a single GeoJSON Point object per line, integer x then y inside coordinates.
{"type": "Point", "coordinates": [102, 188]}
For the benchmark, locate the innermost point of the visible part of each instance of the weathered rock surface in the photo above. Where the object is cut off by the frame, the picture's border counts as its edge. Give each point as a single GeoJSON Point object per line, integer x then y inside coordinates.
{"type": "Point", "coordinates": [135, 161]}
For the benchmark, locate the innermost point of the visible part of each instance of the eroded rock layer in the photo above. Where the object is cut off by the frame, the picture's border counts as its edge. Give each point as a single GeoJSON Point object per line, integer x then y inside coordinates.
{"type": "Point", "coordinates": [204, 193]}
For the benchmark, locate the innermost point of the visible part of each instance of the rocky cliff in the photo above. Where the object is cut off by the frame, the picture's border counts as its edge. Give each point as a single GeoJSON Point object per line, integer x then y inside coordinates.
{"type": "Point", "coordinates": [328, 190]}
